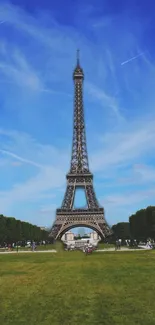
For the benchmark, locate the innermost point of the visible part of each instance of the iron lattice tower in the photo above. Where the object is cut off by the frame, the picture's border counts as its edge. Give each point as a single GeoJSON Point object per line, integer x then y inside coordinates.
{"type": "Point", "coordinates": [79, 176]}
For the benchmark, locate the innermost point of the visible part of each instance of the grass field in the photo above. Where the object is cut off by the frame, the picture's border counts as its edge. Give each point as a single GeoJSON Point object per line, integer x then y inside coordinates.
{"type": "Point", "coordinates": [69, 288]}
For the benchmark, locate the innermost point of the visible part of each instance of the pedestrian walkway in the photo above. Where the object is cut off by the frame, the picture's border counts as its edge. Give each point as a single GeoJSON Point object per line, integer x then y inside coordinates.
{"type": "Point", "coordinates": [112, 249]}
{"type": "Point", "coordinates": [32, 252]}
{"type": "Point", "coordinates": [123, 249]}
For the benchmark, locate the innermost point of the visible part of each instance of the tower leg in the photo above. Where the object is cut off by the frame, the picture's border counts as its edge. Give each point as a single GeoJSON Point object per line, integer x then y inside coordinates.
{"type": "Point", "coordinates": [69, 197]}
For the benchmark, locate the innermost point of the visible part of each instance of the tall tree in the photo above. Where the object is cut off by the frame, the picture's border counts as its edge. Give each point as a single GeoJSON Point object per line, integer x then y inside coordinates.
{"type": "Point", "coordinates": [142, 223]}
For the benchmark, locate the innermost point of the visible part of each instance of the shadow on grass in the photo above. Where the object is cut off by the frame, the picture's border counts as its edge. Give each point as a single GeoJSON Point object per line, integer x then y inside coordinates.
{"type": "Point", "coordinates": [11, 272]}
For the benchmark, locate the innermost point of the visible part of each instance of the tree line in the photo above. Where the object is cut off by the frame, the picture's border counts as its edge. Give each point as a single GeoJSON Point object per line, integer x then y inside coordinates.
{"type": "Point", "coordinates": [141, 226]}
{"type": "Point", "coordinates": [13, 231]}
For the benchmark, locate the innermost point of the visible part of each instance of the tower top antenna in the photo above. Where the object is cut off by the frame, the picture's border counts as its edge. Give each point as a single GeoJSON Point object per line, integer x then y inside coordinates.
{"type": "Point", "coordinates": [78, 57]}
{"type": "Point", "coordinates": [78, 71]}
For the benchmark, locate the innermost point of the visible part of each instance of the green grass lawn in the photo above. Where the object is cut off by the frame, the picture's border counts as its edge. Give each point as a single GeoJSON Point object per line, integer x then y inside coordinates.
{"type": "Point", "coordinates": [105, 246]}
{"type": "Point", "coordinates": [69, 288]}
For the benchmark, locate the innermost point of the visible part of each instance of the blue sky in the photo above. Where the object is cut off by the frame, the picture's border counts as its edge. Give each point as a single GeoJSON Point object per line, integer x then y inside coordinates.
{"type": "Point", "coordinates": [38, 42]}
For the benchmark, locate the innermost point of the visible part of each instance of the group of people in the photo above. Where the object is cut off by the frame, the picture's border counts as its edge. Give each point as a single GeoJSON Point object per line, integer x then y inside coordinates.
{"type": "Point", "coordinates": [12, 246]}
{"type": "Point", "coordinates": [88, 249]}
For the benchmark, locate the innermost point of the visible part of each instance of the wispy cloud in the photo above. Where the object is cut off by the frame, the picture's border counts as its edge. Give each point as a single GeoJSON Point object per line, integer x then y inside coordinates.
{"type": "Point", "coordinates": [16, 163]}
{"type": "Point", "coordinates": [144, 173]}
{"type": "Point", "coordinates": [130, 199]}
{"type": "Point", "coordinates": [106, 100]}
{"type": "Point", "coordinates": [58, 59]}
{"type": "Point", "coordinates": [123, 147]}
{"type": "Point", "coordinates": [17, 17]}
{"type": "Point", "coordinates": [133, 58]}
{"type": "Point", "coordinates": [47, 178]}
{"type": "Point", "coordinates": [130, 146]}
{"type": "Point", "coordinates": [11, 154]}
{"type": "Point", "coordinates": [17, 70]}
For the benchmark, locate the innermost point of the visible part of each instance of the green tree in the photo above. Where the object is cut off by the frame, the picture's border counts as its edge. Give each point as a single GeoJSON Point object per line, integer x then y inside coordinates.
{"type": "Point", "coordinates": [142, 223]}
{"type": "Point", "coordinates": [121, 230]}
{"type": "Point", "coordinates": [3, 229]}
{"type": "Point", "coordinates": [12, 230]}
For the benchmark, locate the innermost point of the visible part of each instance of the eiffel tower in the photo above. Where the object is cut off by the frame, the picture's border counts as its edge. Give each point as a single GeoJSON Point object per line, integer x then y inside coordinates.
{"type": "Point", "coordinates": [79, 176]}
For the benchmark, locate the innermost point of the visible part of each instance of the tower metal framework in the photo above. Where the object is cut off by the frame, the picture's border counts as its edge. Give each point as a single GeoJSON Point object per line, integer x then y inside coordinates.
{"type": "Point", "coordinates": [79, 176]}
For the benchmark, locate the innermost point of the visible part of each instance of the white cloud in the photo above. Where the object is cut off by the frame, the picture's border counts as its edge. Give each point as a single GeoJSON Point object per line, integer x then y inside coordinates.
{"type": "Point", "coordinates": [48, 177]}
{"type": "Point", "coordinates": [106, 100]}
{"type": "Point", "coordinates": [61, 44]}
{"type": "Point", "coordinates": [128, 147]}
{"type": "Point", "coordinates": [8, 153]}
{"type": "Point", "coordinates": [16, 69]}
{"type": "Point", "coordinates": [23, 21]}
{"type": "Point", "coordinates": [118, 207]}
{"type": "Point", "coordinates": [34, 153]}
{"type": "Point", "coordinates": [129, 198]}
{"type": "Point", "coordinates": [125, 146]}
{"type": "Point", "coordinates": [48, 209]}
{"type": "Point", "coordinates": [139, 175]}
{"type": "Point", "coordinates": [16, 163]}
{"type": "Point", "coordinates": [3, 162]}
{"type": "Point", "coordinates": [144, 173]}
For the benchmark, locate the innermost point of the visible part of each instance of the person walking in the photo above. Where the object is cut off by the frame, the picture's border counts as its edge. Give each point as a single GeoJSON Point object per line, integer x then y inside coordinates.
{"type": "Point", "coordinates": [116, 245]}
{"type": "Point", "coordinates": [119, 243]}
{"type": "Point", "coordinates": [33, 246]}
{"type": "Point", "coordinates": [9, 247]}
